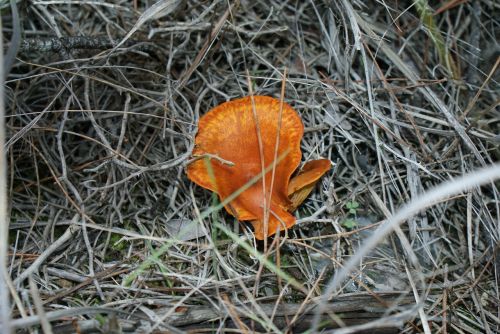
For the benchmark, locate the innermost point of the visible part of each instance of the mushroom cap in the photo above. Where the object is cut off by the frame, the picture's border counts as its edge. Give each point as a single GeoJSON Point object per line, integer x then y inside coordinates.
{"type": "Point", "coordinates": [229, 132]}
{"type": "Point", "coordinates": [303, 183]}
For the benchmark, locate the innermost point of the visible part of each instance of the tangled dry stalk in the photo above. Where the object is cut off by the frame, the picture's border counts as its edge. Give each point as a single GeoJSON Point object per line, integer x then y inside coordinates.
{"type": "Point", "coordinates": [106, 233]}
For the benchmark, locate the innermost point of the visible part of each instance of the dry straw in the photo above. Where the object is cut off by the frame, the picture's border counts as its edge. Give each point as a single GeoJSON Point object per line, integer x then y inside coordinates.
{"type": "Point", "coordinates": [105, 231]}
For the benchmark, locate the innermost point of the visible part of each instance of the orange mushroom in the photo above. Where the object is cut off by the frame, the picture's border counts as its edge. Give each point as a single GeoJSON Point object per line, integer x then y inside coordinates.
{"type": "Point", "coordinates": [303, 183]}
{"type": "Point", "coordinates": [229, 132]}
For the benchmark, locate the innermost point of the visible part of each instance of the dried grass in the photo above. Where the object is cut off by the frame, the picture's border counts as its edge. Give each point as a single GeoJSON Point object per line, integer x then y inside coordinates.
{"type": "Point", "coordinates": [107, 233]}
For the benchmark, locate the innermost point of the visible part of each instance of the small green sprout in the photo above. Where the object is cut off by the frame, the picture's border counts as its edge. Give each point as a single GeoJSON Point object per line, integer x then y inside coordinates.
{"type": "Point", "coordinates": [351, 222]}
{"type": "Point", "coordinates": [352, 206]}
